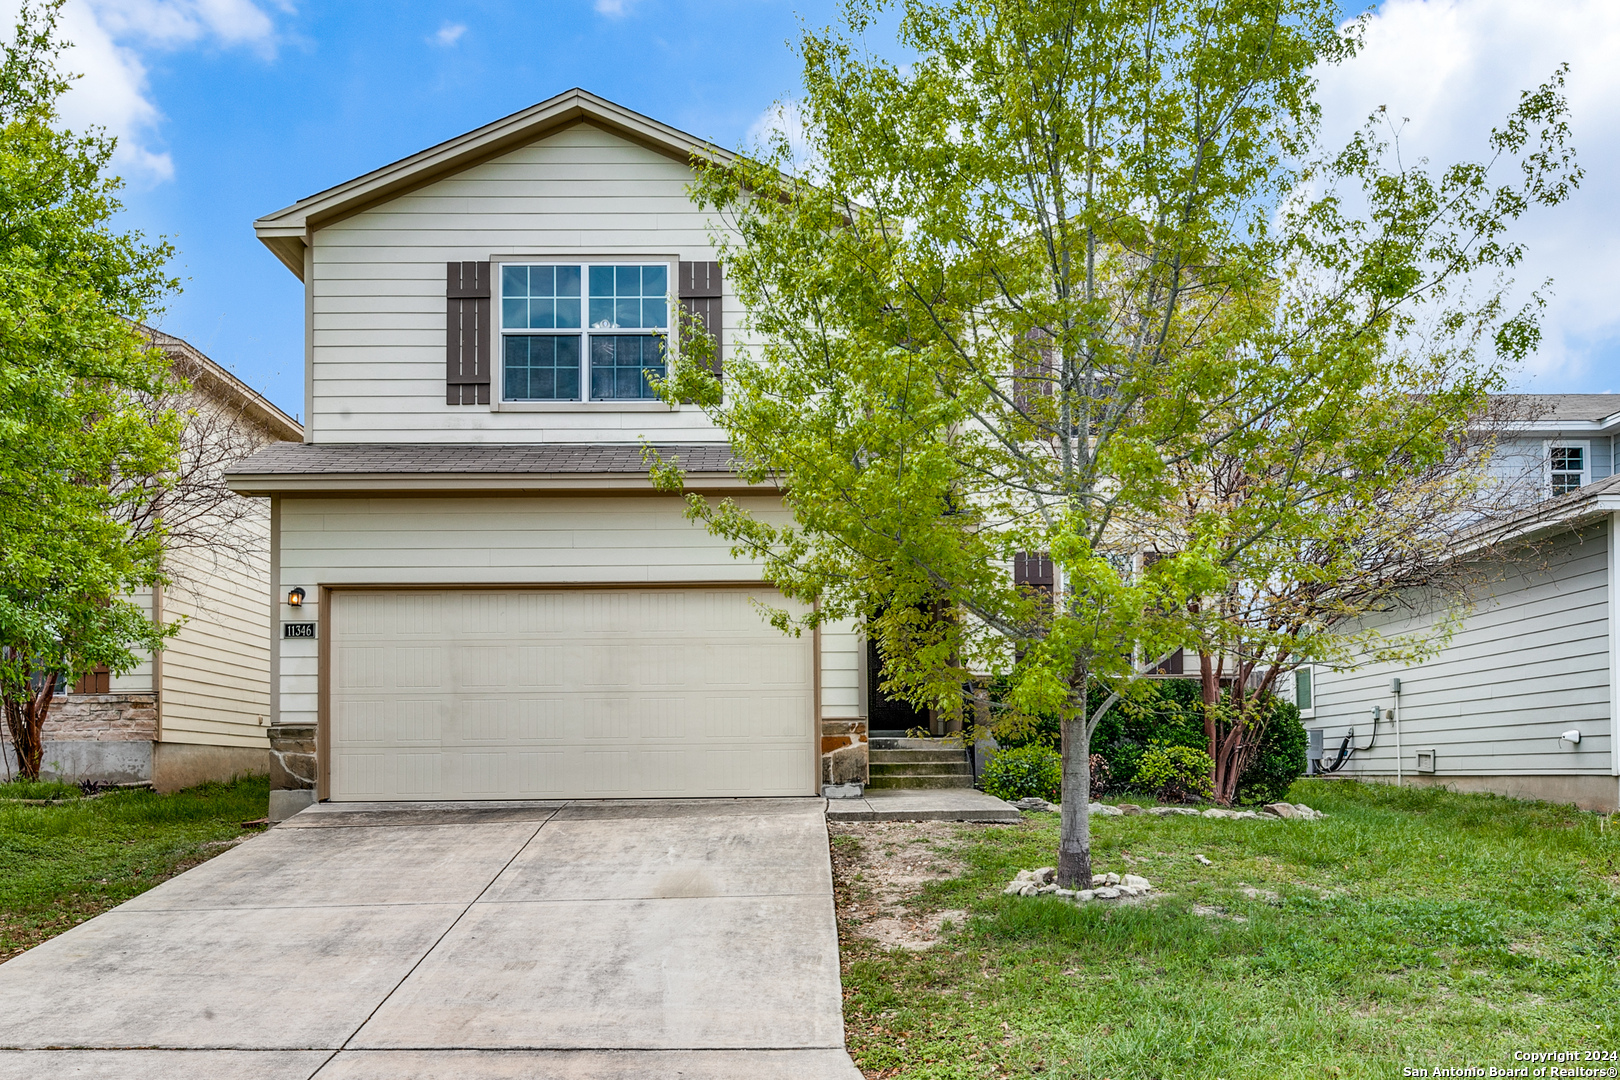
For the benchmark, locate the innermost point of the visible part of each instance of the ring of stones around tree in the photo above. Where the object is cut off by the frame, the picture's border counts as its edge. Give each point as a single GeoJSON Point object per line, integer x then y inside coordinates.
{"type": "Point", "coordinates": [1112, 886]}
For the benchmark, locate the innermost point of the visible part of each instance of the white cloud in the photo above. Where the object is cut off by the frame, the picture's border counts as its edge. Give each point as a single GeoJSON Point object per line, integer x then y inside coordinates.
{"type": "Point", "coordinates": [449, 34]}
{"type": "Point", "coordinates": [109, 38]}
{"type": "Point", "coordinates": [613, 9]}
{"type": "Point", "coordinates": [785, 119]}
{"type": "Point", "coordinates": [1454, 69]}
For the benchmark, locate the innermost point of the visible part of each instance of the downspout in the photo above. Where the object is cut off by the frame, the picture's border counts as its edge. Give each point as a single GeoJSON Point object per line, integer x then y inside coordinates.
{"type": "Point", "coordinates": [157, 668]}
{"type": "Point", "coordinates": [1614, 650]}
{"type": "Point", "coordinates": [1395, 691]}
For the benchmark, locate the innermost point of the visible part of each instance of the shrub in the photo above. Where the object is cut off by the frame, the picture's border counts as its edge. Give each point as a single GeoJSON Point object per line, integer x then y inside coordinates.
{"type": "Point", "coordinates": [1024, 771]}
{"type": "Point", "coordinates": [1281, 760]}
{"type": "Point", "coordinates": [1176, 773]}
{"type": "Point", "coordinates": [1101, 775]}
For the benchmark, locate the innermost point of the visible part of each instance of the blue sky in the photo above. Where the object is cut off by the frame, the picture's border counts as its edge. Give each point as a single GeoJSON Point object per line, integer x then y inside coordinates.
{"type": "Point", "coordinates": [229, 109]}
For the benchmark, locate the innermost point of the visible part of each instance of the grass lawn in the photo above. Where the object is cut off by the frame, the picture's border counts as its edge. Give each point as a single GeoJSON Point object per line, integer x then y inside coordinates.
{"type": "Point", "coordinates": [1410, 928]}
{"type": "Point", "coordinates": [66, 861]}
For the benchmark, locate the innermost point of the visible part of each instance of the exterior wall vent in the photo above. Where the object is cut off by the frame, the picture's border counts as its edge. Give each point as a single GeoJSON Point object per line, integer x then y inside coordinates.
{"type": "Point", "coordinates": [1425, 761]}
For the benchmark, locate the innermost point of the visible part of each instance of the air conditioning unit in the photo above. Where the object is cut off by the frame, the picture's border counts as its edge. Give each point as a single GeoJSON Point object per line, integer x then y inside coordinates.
{"type": "Point", "coordinates": [1313, 752]}
{"type": "Point", "coordinates": [1425, 761]}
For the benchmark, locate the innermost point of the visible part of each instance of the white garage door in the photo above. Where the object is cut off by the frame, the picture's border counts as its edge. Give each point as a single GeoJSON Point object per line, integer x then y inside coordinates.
{"type": "Point", "coordinates": [567, 693]}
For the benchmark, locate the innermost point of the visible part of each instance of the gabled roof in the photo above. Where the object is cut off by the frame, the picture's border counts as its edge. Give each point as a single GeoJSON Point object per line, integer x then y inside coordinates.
{"type": "Point", "coordinates": [203, 373]}
{"type": "Point", "coordinates": [284, 231]}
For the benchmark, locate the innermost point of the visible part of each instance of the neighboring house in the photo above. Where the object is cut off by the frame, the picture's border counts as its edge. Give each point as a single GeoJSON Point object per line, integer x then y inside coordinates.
{"type": "Point", "coordinates": [495, 601]}
{"type": "Point", "coordinates": [200, 708]}
{"type": "Point", "coordinates": [1522, 700]}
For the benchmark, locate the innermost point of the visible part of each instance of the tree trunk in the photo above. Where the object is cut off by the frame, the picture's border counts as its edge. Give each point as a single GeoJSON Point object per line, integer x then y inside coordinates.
{"type": "Point", "coordinates": [1210, 684]}
{"type": "Point", "coordinates": [1074, 847]}
{"type": "Point", "coordinates": [25, 720]}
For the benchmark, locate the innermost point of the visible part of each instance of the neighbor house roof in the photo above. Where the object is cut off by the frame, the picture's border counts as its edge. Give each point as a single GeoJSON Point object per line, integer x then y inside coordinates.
{"type": "Point", "coordinates": [1593, 414]}
{"type": "Point", "coordinates": [285, 232]}
{"type": "Point", "coordinates": [191, 364]}
{"type": "Point", "coordinates": [1557, 514]}
{"type": "Point", "coordinates": [307, 467]}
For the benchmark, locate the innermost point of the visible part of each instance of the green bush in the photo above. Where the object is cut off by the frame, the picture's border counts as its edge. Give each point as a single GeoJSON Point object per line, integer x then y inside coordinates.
{"type": "Point", "coordinates": [1023, 771]}
{"type": "Point", "coordinates": [1281, 760]}
{"type": "Point", "coordinates": [1170, 712]}
{"type": "Point", "coordinates": [1176, 773]}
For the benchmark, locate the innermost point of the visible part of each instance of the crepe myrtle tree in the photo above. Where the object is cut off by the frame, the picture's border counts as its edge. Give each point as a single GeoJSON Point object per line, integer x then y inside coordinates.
{"type": "Point", "coordinates": [72, 365]}
{"type": "Point", "coordinates": [1025, 276]}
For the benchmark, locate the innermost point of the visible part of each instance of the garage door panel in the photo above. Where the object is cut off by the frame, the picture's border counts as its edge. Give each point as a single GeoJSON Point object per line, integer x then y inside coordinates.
{"type": "Point", "coordinates": [568, 693]}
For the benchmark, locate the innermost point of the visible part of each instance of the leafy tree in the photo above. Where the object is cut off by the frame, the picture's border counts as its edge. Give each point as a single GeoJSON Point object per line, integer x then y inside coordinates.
{"type": "Point", "coordinates": [72, 287]}
{"type": "Point", "coordinates": [1031, 271]}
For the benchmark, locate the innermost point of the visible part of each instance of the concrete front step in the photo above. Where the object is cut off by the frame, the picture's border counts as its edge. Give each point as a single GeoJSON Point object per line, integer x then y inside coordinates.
{"type": "Point", "coordinates": [921, 768]}
{"type": "Point", "coordinates": [880, 742]}
{"type": "Point", "coordinates": [918, 755]}
{"type": "Point", "coordinates": [885, 783]}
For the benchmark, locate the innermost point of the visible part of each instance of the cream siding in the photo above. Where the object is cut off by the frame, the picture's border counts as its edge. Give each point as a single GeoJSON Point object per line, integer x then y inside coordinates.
{"type": "Point", "coordinates": [378, 294]}
{"type": "Point", "coordinates": [216, 671]}
{"type": "Point", "coordinates": [511, 541]}
{"type": "Point", "coordinates": [1530, 662]}
{"type": "Point", "coordinates": [137, 680]}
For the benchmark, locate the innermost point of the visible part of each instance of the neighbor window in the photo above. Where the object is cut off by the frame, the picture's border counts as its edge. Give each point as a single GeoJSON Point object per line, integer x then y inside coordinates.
{"type": "Point", "coordinates": [582, 331]}
{"type": "Point", "coordinates": [1304, 692]}
{"type": "Point", "coordinates": [1568, 467]}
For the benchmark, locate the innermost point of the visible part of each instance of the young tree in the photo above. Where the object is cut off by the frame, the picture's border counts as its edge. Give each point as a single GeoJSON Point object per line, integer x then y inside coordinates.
{"type": "Point", "coordinates": [1032, 270]}
{"type": "Point", "coordinates": [71, 288]}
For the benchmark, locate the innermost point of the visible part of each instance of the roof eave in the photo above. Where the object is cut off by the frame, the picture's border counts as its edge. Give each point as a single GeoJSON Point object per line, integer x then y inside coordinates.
{"type": "Point", "coordinates": [260, 484]}
{"type": "Point", "coordinates": [284, 231]}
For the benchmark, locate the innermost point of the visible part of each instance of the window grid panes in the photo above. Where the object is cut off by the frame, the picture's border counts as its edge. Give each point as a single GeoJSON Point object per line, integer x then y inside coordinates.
{"type": "Point", "coordinates": [542, 367]}
{"type": "Point", "coordinates": [620, 364]}
{"type": "Point", "coordinates": [1568, 468]}
{"type": "Point", "coordinates": [540, 364]}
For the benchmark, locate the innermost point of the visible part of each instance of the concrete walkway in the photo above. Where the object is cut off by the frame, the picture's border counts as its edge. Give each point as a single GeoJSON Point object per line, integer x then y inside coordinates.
{"type": "Point", "coordinates": [922, 804]}
{"type": "Point", "coordinates": [591, 941]}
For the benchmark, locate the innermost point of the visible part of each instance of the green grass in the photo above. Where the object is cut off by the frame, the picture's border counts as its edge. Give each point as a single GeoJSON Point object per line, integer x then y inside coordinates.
{"type": "Point", "coordinates": [1412, 927]}
{"type": "Point", "coordinates": [64, 862]}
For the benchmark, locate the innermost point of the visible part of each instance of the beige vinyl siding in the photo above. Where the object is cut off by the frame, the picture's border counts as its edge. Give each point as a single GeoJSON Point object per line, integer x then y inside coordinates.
{"type": "Point", "coordinates": [841, 647]}
{"type": "Point", "coordinates": [216, 671]}
{"type": "Point", "coordinates": [512, 541]}
{"type": "Point", "coordinates": [1530, 662]}
{"type": "Point", "coordinates": [137, 680]}
{"type": "Point", "coordinates": [378, 303]}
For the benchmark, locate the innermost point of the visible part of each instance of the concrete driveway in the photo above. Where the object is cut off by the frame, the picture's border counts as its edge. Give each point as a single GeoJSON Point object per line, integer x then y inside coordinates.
{"type": "Point", "coordinates": [599, 940]}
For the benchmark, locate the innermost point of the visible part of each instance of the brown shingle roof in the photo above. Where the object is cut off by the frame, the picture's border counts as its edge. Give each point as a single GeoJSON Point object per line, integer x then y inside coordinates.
{"type": "Point", "coordinates": [417, 459]}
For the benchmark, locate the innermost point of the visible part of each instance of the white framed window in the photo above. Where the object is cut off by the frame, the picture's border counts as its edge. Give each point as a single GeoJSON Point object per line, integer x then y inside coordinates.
{"type": "Point", "coordinates": [582, 331]}
{"type": "Point", "coordinates": [1569, 466]}
{"type": "Point", "coordinates": [1305, 690]}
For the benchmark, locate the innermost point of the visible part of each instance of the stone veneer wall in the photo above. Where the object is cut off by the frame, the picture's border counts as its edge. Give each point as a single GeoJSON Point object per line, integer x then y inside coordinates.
{"type": "Point", "coordinates": [844, 752]}
{"type": "Point", "coordinates": [102, 718]}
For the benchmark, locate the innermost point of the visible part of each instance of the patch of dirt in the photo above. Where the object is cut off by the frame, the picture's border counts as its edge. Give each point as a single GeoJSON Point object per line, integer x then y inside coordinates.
{"type": "Point", "coordinates": [880, 867]}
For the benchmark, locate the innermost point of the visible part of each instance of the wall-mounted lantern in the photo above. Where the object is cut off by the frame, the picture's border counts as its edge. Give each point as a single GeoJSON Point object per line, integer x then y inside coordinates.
{"type": "Point", "coordinates": [295, 598]}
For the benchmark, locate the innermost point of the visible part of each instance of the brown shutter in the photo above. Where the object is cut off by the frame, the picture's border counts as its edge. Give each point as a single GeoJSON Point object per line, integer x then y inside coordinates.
{"type": "Point", "coordinates": [1033, 569]}
{"type": "Point", "coordinates": [98, 681]}
{"type": "Point", "coordinates": [1033, 370]}
{"type": "Point", "coordinates": [467, 319]}
{"type": "Point", "coordinates": [700, 297]}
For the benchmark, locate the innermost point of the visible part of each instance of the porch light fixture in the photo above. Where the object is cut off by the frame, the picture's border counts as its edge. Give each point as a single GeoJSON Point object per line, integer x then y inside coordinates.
{"type": "Point", "coordinates": [295, 598]}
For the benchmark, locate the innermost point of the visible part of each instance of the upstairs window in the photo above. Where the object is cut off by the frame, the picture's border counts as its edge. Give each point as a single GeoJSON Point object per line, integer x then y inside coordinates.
{"type": "Point", "coordinates": [1569, 467]}
{"type": "Point", "coordinates": [583, 331]}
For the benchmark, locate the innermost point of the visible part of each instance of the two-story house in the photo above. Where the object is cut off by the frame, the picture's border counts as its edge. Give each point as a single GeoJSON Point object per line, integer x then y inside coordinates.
{"type": "Point", "coordinates": [1522, 699]}
{"type": "Point", "coordinates": [481, 595]}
